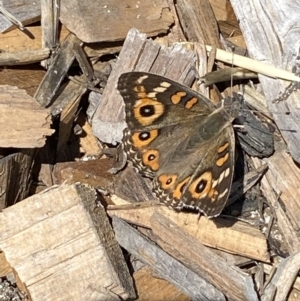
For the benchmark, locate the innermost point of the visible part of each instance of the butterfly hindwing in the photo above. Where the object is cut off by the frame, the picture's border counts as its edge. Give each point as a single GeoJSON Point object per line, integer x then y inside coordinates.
{"type": "Point", "coordinates": [178, 137]}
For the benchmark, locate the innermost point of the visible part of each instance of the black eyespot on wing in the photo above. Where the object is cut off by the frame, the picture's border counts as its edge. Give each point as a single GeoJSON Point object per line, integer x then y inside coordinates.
{"type": "Point", "coordinates": [147, 110]}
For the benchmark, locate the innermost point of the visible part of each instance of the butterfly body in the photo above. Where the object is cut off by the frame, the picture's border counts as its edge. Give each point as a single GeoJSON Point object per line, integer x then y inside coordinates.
{"type": "Point", "coordinates": [179, 138]}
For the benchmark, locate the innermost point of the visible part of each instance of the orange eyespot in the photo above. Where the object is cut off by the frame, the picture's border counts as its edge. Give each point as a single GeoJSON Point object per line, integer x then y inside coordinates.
{"type": "Point", "coordinates": [147, 110]}
{"type": "Point", "coordinates": [167, 181]}
{"type": "Point", "coordinates": [201, 186]}
{"type": "Point", "coordinates": [151, 159]}
{"type": "Point", "coordinates": [141, 139]}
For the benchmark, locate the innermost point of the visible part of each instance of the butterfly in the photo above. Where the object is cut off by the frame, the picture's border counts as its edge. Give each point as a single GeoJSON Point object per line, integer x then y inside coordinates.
{"type": "Point", "coordinates": [180, 139]}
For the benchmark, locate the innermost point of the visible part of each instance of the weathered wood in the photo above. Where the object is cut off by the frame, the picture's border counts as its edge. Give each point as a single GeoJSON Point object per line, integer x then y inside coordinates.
{"type": "Point", "coordinates": [49, 23]}
{"type": "Point", "coordinates": [16, 40]}
{"type": "Point", "coordinates": [233, 237]}
{"type": "Point", "coordinates": [283, 279]}
{"type": "Point", "coordinates": [199, 22]}
{"type": "Point", "coordinates": [163, 264]}
{"type": "Point", "coordinates": [150, 287]}
{"type": "Point", "coordinates": [234, 283]}
{"type": "Point", "coordinates": [15, 178]}
{"type": "Point", "coordinates": [270, 37]}
{"type": "Point", "coordinates": [23, 123]}
{"type": "Point", "coordinates": [138, 54]}
{"type": "Point", "coordinates": [269, 190]}
{"type": "Point", "coordinates": [26, 11]}
{"type": "Point", "coordinates": [27, 79]}
{"type": "Point", "coordinates": [284, 177]}
{"type": "Point", "coordinates": [241, 186]}
{"type": "Point", "coordinates": [24, 57]}
{"type": "Point", "coordinates": [102, 21]}
{"type": "Point", "coordinates": [80, 260]}
{"type": "Point", "coordinates": [56, 72]}
{"type": "Point", "coordinates": [83, 62]}
{"type": "Point", "coordinates": [92, 172]}
{"type": "Point", "coordinates": [14, 282]}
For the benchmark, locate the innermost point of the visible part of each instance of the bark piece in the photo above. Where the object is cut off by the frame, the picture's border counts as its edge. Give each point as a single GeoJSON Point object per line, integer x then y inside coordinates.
{"type": "Point", "coordinates": [15, 177]}
{"type": "Point", "coordinates": [23, 123]}
{"type": "Point", "coordinates": [110, 21]}
{"type": "Point", "coordinates": [270, 37]}
{"type": "Point", "coordinates": [163, 264]}
{"type": "Point", "coordinates": [234, 283]}
{"type": "Point", "coordinates": [233, 237]}
{"type": "Point", "coordinates": [138, 54]}
{"type": "Point", "coordinates": [72, 254]}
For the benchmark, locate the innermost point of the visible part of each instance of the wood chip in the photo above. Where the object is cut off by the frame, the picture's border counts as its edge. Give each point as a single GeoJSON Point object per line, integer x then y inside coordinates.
{"type": "Point", "coordinates": [283, 279]}
{"type": "Point", "coordinates": [110, 21]}
{"type": "Point", "coordinates": [198, 22]}
{"type": "Point", "coordinates": [81, 261]}
{"type": "Point", "coordinates": [270, 37]}
{"type": "Point", "coordinates": [27, 12]}
{"type": "Point", "coordinates": [237, 238]}
{"type": "Point", "coordinates": [163, 264]}
{"type": "Point", "coordinates": [234, 283]}
{"type": "Point", "coordinates": [23, 58]}
{"type": "Point", "coordinates": [56, 72]}
{"type": "Point", "coordinates": [23, 123]}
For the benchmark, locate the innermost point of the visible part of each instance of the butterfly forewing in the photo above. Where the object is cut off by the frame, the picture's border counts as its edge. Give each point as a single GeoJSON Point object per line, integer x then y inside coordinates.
{"type": "Point", "coordinates": [178, 137]}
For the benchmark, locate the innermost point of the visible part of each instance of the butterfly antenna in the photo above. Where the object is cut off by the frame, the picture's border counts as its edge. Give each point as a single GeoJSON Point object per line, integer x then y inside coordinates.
{"type": "Point", "coordinates": [231, 77]}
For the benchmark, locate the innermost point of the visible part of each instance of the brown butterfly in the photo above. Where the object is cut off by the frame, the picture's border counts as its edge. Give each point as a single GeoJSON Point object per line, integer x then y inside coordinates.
{"type": "Point", "coordinates": [179, 138]}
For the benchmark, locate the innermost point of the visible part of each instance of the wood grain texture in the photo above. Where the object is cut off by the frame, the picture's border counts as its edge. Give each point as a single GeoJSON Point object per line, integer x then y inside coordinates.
{"type": "Point", "coordinates": [163, 264]}
{"type": "Point", "coordinates": [62, 249]}
{"type": "Point", "coordinates": [24, 57]}
{"type": "Point", "coordinates": [272, 34]}
{"type": "Point", "coordinates": [23, 123]}
{"type": "Point", "coordinates": [283, 279]}
{"type": "Point", "coordinates": [234, 283]}
{"type": "Point", "coordinates": [286, 222]}
{"type": "Point", "coordinates": [26, 11]}
{"type": "Point", "coordinates": [16, 40]}
{"type": "Point", "coordinates": [198, 21]}
{"type": "Point", "coordinates": [110, 21]}
{"type": "Point", "coordinates": [15, 177]}
{"type": "Point", "coordinates": [56, 72]}
{"type": "Point", "coordinates": [237, 238]}
{"type": "Point", "coordinates": [150, 287]}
